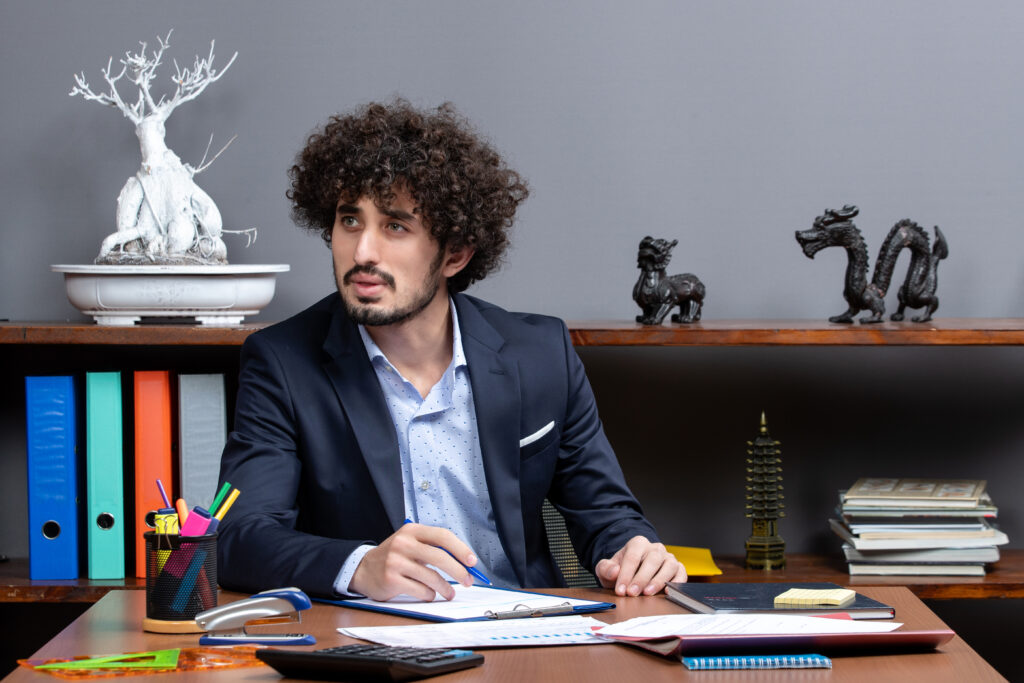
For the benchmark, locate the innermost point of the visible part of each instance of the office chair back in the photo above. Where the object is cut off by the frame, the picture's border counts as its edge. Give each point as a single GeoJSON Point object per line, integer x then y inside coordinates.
{"type": "Point", "coordinates": [576, 576]}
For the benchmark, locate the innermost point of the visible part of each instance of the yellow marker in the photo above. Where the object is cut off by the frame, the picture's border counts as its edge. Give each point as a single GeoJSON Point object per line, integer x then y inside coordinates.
{"type": "Point", "coordinates": [227, 505]}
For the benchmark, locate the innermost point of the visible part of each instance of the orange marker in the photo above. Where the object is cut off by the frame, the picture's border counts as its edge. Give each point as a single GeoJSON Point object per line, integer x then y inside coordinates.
{"type": "Point", "coordinates": [182, 512]}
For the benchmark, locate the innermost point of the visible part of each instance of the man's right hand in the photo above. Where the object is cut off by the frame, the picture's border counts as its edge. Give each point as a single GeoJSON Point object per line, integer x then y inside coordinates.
{"type": "Point", "coordinates": [399, 565]}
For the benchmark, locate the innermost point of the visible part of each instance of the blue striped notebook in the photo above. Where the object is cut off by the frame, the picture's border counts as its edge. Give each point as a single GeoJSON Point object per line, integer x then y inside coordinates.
{"type": "Point", "coordinates": [758, 662]}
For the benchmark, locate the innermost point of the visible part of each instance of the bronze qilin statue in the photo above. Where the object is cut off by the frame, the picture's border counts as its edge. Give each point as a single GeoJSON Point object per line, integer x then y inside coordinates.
{"type": "Point", "coordinates": [656, 293]}
{"type": "Point", "coordinates": [836, 229]}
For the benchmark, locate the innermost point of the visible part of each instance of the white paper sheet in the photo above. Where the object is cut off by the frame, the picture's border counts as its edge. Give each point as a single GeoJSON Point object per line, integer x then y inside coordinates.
{"type": "Point", "coordinates": [570, 630]}
{"type": "Point", "coordinates": [667, 625]}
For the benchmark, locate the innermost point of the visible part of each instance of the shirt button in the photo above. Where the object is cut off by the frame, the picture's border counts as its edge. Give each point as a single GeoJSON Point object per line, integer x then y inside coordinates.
{"type": "Point", "coordinates": [424, 485]}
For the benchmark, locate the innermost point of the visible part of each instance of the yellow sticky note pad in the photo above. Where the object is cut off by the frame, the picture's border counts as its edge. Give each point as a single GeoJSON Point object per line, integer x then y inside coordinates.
{"type": "Point", "coordinates": [698, 561]}
{"type": "Point", "coordinates": [808, 597]}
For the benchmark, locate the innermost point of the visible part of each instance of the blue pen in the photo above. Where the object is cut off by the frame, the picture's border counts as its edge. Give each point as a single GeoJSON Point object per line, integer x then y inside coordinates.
{"type": "Point", "coordinates": [474, 572]}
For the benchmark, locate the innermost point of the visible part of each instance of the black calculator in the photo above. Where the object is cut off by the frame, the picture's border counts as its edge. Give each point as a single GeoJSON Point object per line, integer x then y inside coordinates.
{"type": "Point", "coordinates": [368, 662]}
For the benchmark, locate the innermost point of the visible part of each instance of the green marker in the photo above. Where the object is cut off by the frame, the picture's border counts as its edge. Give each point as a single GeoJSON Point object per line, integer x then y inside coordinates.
{"type": "Point", "coordinates": [220, 496]}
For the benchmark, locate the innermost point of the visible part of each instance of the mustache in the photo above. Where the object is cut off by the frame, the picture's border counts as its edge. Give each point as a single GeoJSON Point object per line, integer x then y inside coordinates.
{"type": "Point", "coordinates": [388, 279]}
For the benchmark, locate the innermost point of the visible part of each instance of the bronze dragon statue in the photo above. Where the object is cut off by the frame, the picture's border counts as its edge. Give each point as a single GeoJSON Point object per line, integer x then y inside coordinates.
{"type": "Point", "coordinates": [836, 229]}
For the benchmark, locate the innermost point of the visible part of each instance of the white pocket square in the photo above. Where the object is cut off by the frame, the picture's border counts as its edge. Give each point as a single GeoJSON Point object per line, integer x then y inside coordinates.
{"type": "Point", "coordinates": [526, 441]}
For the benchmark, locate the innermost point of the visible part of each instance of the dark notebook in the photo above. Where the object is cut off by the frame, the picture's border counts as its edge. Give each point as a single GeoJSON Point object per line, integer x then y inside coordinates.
{"type": "Point", "coordinates": [759, 598]}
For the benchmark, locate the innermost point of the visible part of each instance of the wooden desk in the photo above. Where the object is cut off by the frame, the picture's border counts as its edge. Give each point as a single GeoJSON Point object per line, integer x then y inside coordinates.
{"type": "Point", "coordinates": [113, 625]}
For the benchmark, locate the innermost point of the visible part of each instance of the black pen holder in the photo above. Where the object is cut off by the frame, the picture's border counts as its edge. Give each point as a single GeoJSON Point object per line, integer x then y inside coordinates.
{"type": "Point", "coordinates": [181, 581]}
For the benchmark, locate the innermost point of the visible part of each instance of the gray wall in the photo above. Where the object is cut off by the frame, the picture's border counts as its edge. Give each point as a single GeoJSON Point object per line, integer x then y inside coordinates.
{"type": "Point", "coordinates": [726, 125]}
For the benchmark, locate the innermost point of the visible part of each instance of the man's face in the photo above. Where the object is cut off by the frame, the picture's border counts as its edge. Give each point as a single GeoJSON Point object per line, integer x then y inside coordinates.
{"type": "Point", "coordinates": [387, 265]}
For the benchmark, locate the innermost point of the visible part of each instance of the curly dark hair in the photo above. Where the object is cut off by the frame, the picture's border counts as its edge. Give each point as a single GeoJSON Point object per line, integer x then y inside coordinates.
{"type": "Point", "coordinates": [466, 194]}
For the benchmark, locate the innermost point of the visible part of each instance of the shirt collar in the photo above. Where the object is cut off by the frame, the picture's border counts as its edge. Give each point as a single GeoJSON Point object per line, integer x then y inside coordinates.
{"type": "Point", "coordinates": [458, 355]}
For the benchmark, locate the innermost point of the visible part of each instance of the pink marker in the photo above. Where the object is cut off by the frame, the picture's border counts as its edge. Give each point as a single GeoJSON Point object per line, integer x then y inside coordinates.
{"type": "Point", "coordinates": [197, 522]}
{"type": "Point", "coordinates": [181, 558]}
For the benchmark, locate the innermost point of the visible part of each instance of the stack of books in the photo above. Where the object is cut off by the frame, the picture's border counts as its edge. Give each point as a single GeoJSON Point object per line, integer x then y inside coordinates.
{"type": "Point", "coordinates": [917, 527]}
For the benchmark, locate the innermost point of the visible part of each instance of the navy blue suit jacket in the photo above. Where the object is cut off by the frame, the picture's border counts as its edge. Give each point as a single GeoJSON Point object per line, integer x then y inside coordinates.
{"type": "Point", "coordinates": [315, 456]}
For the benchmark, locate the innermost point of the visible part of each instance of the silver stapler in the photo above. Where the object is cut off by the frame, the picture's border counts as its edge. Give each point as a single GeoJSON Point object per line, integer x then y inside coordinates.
{"type": "Point", "coordinates": [226, 624]}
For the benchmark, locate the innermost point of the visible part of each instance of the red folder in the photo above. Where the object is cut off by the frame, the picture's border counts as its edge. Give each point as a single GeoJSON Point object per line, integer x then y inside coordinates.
{"type": "Point", "coordinates": [152, 452]}
{"type": "Point", "coordinates": [824, 643]}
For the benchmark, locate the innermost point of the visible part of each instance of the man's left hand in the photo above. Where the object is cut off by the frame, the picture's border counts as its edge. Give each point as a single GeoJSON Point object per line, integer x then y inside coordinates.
{"type": "Point", "coordinates": [640, 568]}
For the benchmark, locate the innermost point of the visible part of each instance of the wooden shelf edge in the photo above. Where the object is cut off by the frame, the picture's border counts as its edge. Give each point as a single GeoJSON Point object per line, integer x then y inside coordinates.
{"type": "Point", "coordinates": [138, 335]}
{"type": "Point", "coordinates": [939, 332]}
{"type": "Point", "coordinates": [1005, 579]}
{"type": "Point", "coordinates": [41, 593]}
{"type": "Point", "coordinates": [16, 587]}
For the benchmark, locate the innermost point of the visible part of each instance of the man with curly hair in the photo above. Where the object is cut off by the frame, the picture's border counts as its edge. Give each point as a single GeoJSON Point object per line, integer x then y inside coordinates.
{"type": "Point", "coordinates": [400, 428]}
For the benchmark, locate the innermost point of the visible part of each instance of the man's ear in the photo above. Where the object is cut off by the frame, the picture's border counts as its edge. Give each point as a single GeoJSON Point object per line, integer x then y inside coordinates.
{"type": "Point", "coordinates": [456, 259]}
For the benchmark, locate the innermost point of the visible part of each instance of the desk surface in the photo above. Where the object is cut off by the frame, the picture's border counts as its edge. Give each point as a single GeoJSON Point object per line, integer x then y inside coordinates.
{"type": "Point", "coordinates": [113, 625]}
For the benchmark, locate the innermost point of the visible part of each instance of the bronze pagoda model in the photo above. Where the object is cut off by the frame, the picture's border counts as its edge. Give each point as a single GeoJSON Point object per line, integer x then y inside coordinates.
{"type": "Point", "coordinates": [765, 548]}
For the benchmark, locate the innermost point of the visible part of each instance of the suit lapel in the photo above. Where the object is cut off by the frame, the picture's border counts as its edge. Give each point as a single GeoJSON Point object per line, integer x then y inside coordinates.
{"type": "Point", "coordinates": [496, 397]}
{"type": "Point", "coordinates": [362, 400]}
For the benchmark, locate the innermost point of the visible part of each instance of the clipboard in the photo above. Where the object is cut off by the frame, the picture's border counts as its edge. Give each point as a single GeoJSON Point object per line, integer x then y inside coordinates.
{"type": "Point", "coordinates": [479, 603]}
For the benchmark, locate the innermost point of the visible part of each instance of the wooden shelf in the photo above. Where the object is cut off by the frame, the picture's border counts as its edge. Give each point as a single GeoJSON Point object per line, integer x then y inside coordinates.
{"type": "Point", "coordinates": [16, 587]}
{"type": "Point", "coordinates": [939, 332]}
{"type": "Point", "coordinates": [1005, 579]}
{"type": "Point", "coordinates": [137, 335]}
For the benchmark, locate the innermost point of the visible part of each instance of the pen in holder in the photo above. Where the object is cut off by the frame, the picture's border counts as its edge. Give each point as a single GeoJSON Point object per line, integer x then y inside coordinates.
{"type": "Point", "coordinates": [181, 581]}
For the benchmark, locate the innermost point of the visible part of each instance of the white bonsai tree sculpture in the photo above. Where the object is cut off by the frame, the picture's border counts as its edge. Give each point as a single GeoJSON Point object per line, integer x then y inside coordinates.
{"type": "Point", "coordinates": [163, 217]}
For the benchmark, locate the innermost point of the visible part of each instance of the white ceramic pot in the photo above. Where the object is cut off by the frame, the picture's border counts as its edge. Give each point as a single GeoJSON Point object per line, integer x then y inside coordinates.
{"type": "Point", "coordinates": [211, 295]}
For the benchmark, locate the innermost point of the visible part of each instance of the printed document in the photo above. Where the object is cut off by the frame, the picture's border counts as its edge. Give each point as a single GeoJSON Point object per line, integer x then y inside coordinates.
{"type": "Point", "coordinates": [573, 630]}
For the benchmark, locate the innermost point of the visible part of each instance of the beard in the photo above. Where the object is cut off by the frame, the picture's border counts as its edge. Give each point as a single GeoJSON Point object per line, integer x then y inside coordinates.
{"type": "Point", "coordinates": [363, 312]}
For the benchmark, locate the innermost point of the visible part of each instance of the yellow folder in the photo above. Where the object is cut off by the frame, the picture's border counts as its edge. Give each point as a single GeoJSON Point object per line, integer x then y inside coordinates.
{"type": "Point", "coordinates": [698, 561]}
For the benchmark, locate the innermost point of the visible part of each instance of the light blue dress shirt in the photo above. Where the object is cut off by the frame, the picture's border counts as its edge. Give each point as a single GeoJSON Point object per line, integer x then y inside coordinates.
{"type": "Point", "coordinates": [442, 469]}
